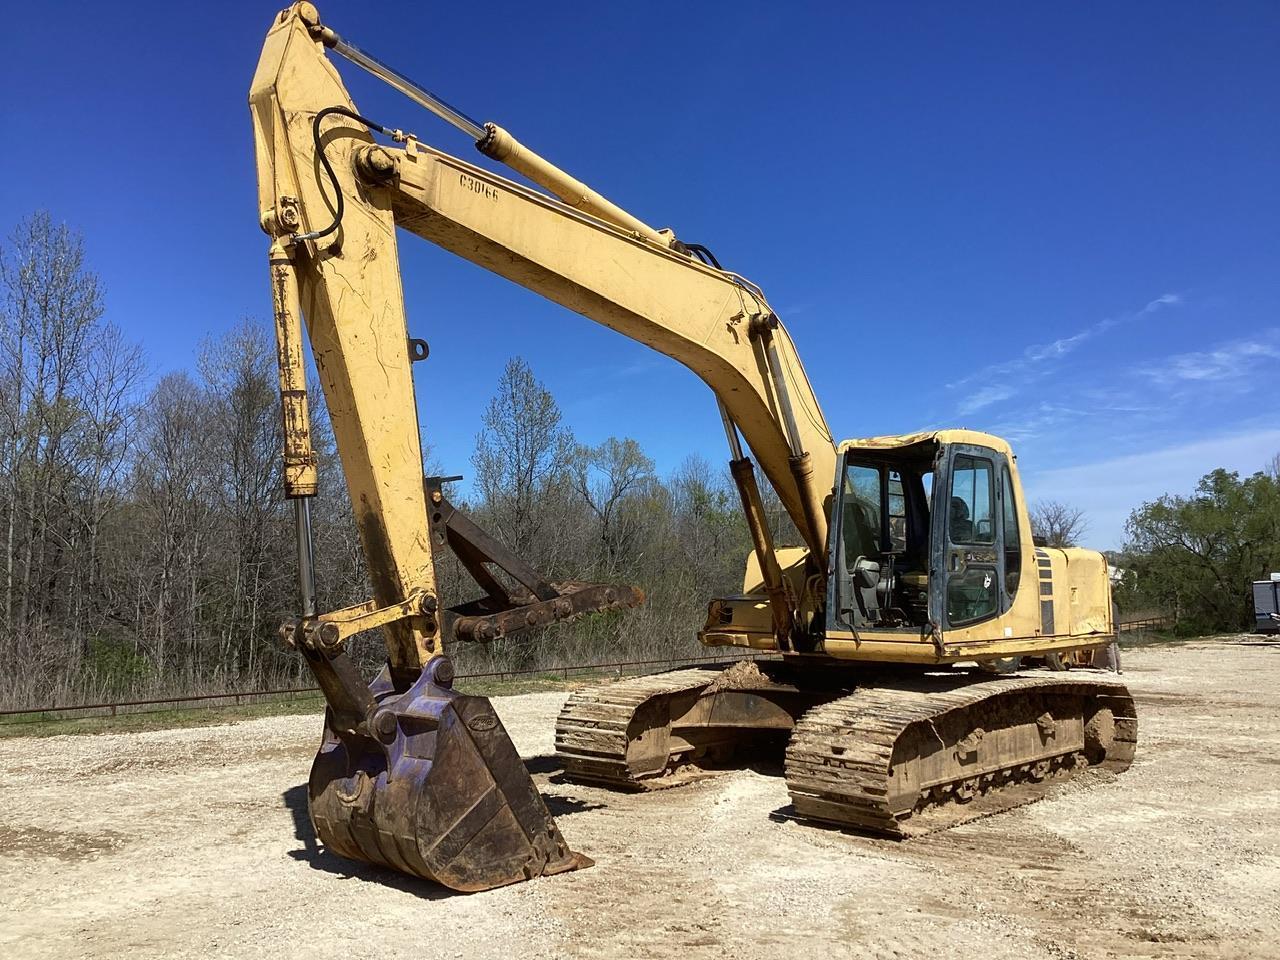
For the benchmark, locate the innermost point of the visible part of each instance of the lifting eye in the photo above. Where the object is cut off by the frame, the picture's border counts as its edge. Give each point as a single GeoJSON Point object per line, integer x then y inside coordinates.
{"type": "Point", "coordinates": [418, 349]}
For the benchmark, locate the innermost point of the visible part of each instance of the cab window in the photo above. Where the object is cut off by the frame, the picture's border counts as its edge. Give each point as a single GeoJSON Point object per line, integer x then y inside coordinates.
{"type": "Point", "coordinates": [897, 513]}
{"type": "Point", "coordinates": [1012, 541]}
{"type": "Point", "coordinates": [973, 579]}
{"type": "Point", "coordinates": [861, 526]}
{"type": "Point", "coordinates": [971, 501]}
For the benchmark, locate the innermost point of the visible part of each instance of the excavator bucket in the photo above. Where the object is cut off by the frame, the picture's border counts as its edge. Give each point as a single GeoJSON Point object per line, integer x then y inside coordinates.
{"type": "Point", "coordinates": [414, 776]}
{"type": "Point", "coordinates": [438, 792]}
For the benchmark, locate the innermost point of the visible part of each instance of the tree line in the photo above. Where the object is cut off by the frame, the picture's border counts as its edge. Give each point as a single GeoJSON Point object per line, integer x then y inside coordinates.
{"type": "Point", "coordinates": [149, 550]}
{"type": "Point", "coordinates": [1192, 557]}
{"type": "Point", "coordinates": [1195, 555]}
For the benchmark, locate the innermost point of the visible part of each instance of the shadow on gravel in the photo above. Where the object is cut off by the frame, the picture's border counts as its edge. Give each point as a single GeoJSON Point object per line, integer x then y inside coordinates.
{"type": "Point", "coordinates": [549, 763]}
{"type": "Point", "coordinates": [318, 858]}
{"type": "Point", "coordinates": [567, 806]}
{"type": "Point", "coordinates": [557, 806]}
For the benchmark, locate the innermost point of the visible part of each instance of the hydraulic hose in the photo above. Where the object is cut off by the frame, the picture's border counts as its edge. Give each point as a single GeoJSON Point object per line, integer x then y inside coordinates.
{"type": "Point", "coordinates": [340, 204]}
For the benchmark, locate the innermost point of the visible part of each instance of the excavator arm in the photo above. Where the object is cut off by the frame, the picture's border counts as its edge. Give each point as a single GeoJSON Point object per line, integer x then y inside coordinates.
{"type": "Point", "coordinates": [714, 324]}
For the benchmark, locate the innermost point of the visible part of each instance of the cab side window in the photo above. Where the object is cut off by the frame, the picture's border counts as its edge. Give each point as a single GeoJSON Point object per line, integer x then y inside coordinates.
{"type": "Point", "coordinates": [1012, 539]}
{"type": "Point", "coordinates": [971, 519]}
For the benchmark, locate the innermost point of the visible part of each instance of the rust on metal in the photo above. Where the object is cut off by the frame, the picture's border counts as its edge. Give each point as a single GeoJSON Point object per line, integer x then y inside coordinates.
{"type": "Point", "coordinates": [574, 599]}
{"type": "Point", "coordinates": [414, 776]}
{"type": "Point", "coordinates": [434, 788]}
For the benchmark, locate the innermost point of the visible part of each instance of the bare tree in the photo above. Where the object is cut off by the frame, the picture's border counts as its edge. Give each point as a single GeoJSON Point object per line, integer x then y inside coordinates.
{"type": "Point", "coordinates": [173, 532]}
{"type": "Point", "coordinates": [522, 448]}
{"type": "Point", "coordinates": [240, 383]}
{"type": "Point", "coordinates": [709, 528]}
{"type": "Point", "coordinates": [51, 307]}
{"type": "Point", "coordinates": [605, 476]}
{"type": "Point", "coordinates": [114, 371]}
{"type": "Point", "coordinates": [1058, 524]}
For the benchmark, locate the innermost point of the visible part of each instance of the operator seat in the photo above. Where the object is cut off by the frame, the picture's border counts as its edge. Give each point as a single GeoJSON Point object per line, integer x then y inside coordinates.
{"type": "Point", "coordinates": [961, 525]}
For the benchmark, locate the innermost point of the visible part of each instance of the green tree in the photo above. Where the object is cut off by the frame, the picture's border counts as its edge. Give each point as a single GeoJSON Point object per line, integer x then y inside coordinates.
{"type": "Point", "coordinates": [1198, 554]}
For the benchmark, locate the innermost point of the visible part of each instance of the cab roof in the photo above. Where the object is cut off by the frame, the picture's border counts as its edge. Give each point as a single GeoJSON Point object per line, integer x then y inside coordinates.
{"type": "Point", "coordinates": [974, 437]}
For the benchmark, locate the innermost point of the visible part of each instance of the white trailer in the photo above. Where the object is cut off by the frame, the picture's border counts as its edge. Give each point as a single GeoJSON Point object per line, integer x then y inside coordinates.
{"type": "Point", "coordinates": [1266, 604]}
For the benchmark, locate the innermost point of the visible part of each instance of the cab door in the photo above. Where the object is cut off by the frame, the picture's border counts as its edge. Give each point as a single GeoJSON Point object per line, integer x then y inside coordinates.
{"type": "Point", "coordinates": [968, 556]}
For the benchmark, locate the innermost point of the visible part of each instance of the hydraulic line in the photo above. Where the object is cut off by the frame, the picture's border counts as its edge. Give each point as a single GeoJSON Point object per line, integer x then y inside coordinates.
{"type": "Point", "coordinates": [394, 78]}
{"type": "Point", "coordinates": [495, 142]}
{"type": "Point", "coordinates": [339, 203]}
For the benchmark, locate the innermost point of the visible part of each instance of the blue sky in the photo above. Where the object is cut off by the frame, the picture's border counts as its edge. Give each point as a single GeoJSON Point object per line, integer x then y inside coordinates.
{"type": "Point", "coordinates": [1055, 222]}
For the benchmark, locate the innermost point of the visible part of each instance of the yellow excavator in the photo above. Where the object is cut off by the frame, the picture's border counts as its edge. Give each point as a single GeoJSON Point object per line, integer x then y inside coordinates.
{"type": "Point", "coordinates": [888, 643]}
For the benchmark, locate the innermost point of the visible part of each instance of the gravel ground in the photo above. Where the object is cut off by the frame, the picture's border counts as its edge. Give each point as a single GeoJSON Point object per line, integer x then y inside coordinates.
{"type": "Point", "coordinates": [196, 843]}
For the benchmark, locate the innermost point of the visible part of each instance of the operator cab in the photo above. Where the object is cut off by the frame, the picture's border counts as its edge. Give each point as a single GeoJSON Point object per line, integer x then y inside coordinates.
{"type": "Point", "coordinates": [924, 533]}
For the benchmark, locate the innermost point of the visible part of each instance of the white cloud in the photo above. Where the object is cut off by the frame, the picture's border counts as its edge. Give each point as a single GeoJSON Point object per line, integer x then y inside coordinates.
{"type": "Point", "coordinates": [1040, 353]}
{"type": "Point", "coordinates": [983, 398]}
{"type": "Point", "coordinates": [1109, 490]}
{"type": "Point", "coordinates": [1230, 362]}
{"type": "Point", "coordinates": [1165, 300]}
{"type": "Point", "coordinates": [1031, 420]}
